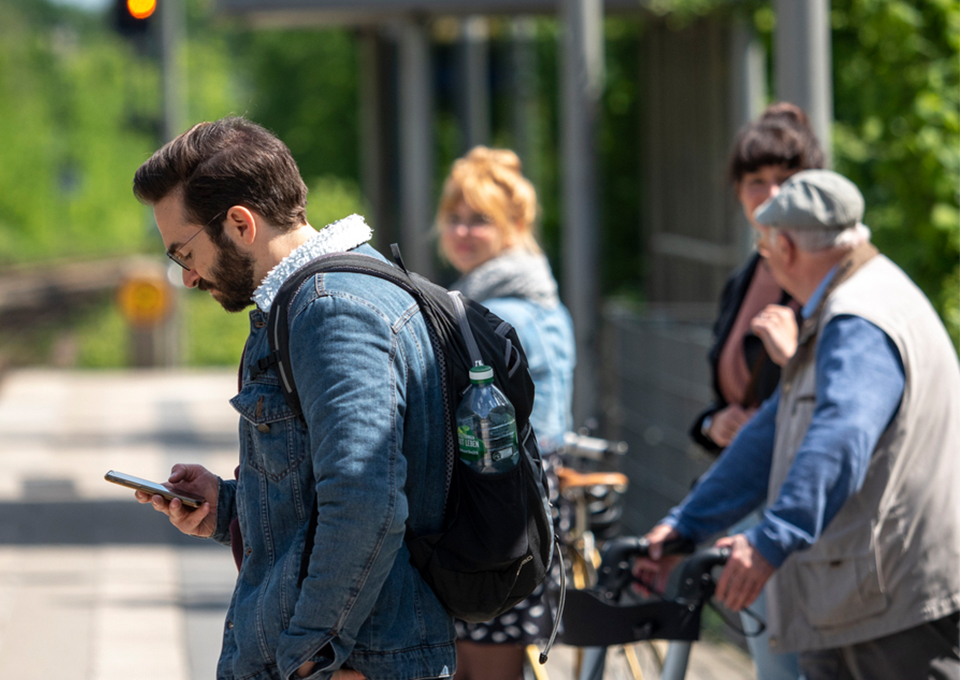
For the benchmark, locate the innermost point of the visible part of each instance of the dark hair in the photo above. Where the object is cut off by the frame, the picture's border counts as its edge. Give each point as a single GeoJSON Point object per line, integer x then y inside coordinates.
{"type": "Point", "coordinates": [780, 136]}
{"type": "Point", "coordinates": [228, 162]}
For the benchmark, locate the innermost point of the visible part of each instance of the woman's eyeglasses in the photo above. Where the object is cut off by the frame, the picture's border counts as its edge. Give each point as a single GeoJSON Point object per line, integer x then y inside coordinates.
{"type": "Point", "coordinates": [472, 221]}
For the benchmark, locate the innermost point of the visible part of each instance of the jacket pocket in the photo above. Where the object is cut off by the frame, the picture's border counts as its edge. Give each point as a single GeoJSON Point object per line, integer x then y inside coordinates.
{"type": "Point", "coordinates": [838, 592]}
{"type": "Point", "coordinates": [273, 441]}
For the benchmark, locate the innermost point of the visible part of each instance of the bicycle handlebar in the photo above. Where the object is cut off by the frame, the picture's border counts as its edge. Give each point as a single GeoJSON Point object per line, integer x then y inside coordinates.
{"type": "Point", "coordinates": [593, 448]}
{"type": "Point", "coordinates": [597, 617]}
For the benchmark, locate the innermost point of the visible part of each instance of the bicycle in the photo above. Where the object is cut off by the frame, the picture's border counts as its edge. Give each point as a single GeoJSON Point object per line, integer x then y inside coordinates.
{"type": "Point", "coordinates": [610, 615]}
{"type": "Point", "coordinates": [590, 505]}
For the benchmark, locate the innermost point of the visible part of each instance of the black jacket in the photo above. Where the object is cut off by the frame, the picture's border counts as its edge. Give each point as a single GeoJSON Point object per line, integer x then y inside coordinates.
{"type": "Point", "coordinates": [768, 374]}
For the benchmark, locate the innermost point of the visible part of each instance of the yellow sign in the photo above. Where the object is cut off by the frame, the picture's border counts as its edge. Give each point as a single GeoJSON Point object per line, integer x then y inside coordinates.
{"type": "Point", "coordinates": [145, 301]}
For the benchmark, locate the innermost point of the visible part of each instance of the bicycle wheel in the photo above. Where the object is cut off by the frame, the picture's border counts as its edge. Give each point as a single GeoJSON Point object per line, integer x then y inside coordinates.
{"type": "Point", "coordinates": [636, 661]}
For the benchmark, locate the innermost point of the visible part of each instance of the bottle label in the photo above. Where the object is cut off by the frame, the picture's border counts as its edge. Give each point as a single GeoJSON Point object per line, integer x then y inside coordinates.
{"type": "Point", "coordinates": [471, 446]}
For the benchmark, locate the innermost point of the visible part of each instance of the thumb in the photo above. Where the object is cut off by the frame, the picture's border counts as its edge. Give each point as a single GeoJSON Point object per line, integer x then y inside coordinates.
{"type": "Point", "coordinates": [178, 473]}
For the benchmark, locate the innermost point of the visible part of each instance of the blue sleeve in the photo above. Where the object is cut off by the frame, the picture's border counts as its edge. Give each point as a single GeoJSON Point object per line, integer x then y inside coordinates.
{"type": "Point", "coordinates": [737, 482]}
{"type": "Point", "coordinates": [860, 383]}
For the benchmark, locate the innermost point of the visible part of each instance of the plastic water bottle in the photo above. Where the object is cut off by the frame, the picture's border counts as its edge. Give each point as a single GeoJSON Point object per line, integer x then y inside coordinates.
{"type": "Point", "coordinates": [487, 425]}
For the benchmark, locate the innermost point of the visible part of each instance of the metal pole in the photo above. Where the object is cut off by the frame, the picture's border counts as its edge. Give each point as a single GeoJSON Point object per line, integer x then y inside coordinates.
{"type": "Point", "coordinates": [803, 57]}
{"type": "Point", "coordinates": [167, 342]}
{"type": "Point", "coordinates": [582, 60]}
{"type": "Point", "coordinates": [371, 132]}
{"type": "Point", "coordinates": [173, 58]}
{"type": "Point", "coordinates": [523, 33]}
{"type": "Point", "coordinates": [748, 98]}
{"type": "Point", "coordinates": [416, 151]}
{"type": "Point", "coordinates": [476, 79]}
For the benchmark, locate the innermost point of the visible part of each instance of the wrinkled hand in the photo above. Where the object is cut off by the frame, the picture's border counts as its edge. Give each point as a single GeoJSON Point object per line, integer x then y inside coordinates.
{"type": "Point", "coordinates": [745, 574]}
{"type": "Point", "coordinates": [192, 480]}
{"type": "Point", "coordinates": [654, 571]}
{"type": "Point", "coordinates": [776, 326]}
{"type": "Point", "coordinates": [727, 422]}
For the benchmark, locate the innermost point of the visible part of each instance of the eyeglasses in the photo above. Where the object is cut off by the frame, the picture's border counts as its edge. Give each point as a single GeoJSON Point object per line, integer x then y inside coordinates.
{"type": "Point", "coordinates": [472, 221]}
{"type": "Point", "coordinates": [175, 254]}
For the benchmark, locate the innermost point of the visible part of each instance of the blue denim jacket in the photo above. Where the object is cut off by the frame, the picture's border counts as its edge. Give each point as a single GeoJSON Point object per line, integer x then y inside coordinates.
{"type": "Point", "coordinates": [372, 454]}
{"type": "Point", "coordinates": [547, 337]}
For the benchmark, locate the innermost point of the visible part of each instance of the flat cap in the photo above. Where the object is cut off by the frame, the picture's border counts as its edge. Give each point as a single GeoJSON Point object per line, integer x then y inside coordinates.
{"type": "Point", "coordinates": [813, 200]}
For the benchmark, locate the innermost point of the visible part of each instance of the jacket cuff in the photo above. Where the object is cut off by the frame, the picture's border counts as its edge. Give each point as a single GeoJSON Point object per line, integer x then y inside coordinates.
{"type": "Point", "coordinates": [226, 509]}
{"type": "Point", "coordinates": [295, 649]}
{"type": "Point", "coordinates": [772, 551]}
{"type": "Point", "coordinates": [696, 432]}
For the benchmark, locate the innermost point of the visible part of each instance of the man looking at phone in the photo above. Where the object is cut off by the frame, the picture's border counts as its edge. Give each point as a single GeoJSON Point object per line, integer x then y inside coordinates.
{"type": "Point", "coordinates": [857, 456]}
{"type": "Point", "coordinates": [322, 504]}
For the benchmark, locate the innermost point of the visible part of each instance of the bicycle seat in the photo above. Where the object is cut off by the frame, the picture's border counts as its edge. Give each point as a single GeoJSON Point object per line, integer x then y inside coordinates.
{"type": "Point", "coordinates": [571, 479]}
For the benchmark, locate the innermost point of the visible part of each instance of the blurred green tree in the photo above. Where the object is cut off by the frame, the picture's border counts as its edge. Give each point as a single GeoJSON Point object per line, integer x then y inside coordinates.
{"type": "Point", "coordinates": [897, 133]}
{"type": "Point", "coordinates": [76, 119]}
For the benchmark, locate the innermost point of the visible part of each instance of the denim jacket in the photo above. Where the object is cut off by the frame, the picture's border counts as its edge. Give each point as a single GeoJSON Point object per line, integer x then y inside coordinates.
{"type": "Point", "coordinates": [547, 337]}
{"type": "Point", "coordinates": [372, 454]}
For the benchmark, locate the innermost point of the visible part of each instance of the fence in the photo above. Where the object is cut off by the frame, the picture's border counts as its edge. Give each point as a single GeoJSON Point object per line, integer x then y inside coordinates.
{"type": "Point", "coordinates": [655, 381]}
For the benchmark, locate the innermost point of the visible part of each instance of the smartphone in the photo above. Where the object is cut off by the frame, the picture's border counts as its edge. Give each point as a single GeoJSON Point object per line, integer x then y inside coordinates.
{"type": "Point", "coordinates": [151, 488]}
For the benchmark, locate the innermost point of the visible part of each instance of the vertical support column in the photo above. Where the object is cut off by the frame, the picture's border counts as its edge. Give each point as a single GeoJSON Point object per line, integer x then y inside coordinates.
{"type": "Point", "coordinates": [803, 61]}
{"type": "Point", "coordinates": [371, 132]}
{"type": "Point", "coordinates": [524, 86]}
{"type": "Point", "coordinates": [748, 97]}
{"type": "Point", "coordinates": [476, 79]}
{"type": "Point", "coordinates": [172, 47]}
{"type": "Point", "coordinates": [582, 69]}
{"type": "Point", "coordinates": [416, 150]}
{"type": "Point", "coordinates": [167, 337]}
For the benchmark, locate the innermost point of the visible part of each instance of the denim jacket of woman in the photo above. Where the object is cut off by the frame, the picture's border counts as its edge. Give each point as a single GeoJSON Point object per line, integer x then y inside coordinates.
{"type": "Point", "coordinates": [372, 453]}
{"type": "Point", "coordinates": [547, 337]}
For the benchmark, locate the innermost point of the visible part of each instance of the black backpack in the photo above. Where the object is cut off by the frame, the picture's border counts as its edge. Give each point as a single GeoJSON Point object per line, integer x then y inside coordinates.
{"type": "Point", "coordinates": [497, 541]}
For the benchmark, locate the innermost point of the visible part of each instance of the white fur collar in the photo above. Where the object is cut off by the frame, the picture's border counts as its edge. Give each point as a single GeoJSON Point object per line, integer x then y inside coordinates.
{"type": "Point", "coordinates": [338, 237]}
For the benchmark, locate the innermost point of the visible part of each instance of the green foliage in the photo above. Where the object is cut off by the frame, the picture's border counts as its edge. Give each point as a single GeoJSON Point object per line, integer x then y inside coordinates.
{"type": "Point", "coordinates": [303, 86]}
{"type": "Point", "coordinates": [332, 198]}
{"type": "Point", "coordinates": [621, 249]}
{"type": "Point", "coordinates": [103, 338]}
{"type": "Point", "coordinates": [897, 132]}
{"type": "Point", "coordinates": [213, 337]}
{"type": "Point", "coordinates": [70, 99]}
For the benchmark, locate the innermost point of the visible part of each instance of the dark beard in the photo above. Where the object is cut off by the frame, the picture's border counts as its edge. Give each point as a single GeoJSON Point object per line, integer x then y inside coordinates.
{"type": "Point", "coordinates": [232, 278]}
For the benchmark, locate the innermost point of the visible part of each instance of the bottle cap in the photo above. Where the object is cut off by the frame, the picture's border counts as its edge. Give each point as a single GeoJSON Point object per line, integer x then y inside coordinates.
{"type": "Point", "coordinates": [481, 375]}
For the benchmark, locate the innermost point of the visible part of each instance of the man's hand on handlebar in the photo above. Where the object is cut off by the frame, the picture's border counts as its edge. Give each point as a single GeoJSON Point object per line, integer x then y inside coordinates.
{"type": "Point", "coordinates": [745, 574]}
{"type": "Point", "coordinates": [653, 571]}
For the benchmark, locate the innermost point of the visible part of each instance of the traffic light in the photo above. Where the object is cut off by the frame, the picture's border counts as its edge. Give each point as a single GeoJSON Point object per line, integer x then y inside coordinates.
{"type": "Point", "coordinates": [133, 17]}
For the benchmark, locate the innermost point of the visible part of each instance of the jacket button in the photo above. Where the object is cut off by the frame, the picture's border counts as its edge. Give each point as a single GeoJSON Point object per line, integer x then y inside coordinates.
{"type": "Point", "coordinates": [248, 552]}
{"type": "Point", "coordinates": [263, 427]}
{"type": "Point", "coordinates": [774, 641]}
{"type": "Point", "coordinates": [259, 324]}
{"type": "Point", "coordinates": [230, 625]}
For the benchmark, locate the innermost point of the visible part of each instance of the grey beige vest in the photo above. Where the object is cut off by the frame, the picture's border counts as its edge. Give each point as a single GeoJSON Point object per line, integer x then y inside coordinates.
{"type": "Point", "coordinates": [890, 559]}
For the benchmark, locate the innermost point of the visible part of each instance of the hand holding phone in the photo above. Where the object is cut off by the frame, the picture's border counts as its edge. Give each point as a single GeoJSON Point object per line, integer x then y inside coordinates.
{"type": "Point", "coordinates": [152, 488]}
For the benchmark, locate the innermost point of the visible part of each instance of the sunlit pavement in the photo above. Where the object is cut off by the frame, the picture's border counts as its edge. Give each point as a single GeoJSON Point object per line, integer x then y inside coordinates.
{"type": "Point", "coordinates": [93, 585]}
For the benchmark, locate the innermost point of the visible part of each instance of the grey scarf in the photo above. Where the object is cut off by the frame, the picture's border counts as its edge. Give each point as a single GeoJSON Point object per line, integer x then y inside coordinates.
{"type": "Point", "coordinates": [515, 273]}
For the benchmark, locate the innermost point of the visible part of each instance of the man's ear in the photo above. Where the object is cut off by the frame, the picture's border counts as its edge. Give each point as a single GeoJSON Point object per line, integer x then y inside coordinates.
{"type": "Point", "coordinates": [241, 225]}
{"type": "Point", "coordinates": [787, 247]}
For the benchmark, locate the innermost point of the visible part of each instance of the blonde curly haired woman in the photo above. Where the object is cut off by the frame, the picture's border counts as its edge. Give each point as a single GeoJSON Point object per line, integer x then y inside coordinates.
{"type": "Point", "coordinates": [486, 221]}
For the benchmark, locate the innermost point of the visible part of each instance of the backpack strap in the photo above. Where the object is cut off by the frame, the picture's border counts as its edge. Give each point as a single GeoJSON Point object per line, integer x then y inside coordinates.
{"type": "Point", "coordinates": [279, 322]}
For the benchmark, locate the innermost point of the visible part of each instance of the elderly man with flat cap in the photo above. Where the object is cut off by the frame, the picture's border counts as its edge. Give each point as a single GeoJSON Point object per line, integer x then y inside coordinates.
{"type": "Point", "coordinates": [857, 456]}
